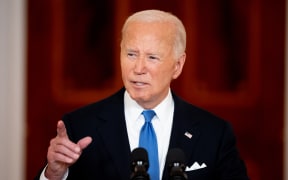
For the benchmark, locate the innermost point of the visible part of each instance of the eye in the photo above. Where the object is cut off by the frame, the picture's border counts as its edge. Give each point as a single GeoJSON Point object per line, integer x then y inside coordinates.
{"type": "Point", "coordinates": [153, 57]}
{"type": "Point", "coordinates": [130, 54]}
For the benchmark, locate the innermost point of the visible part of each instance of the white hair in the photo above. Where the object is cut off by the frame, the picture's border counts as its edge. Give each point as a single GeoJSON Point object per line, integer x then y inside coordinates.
{"type": "Point", "coordinates": [161, 16]}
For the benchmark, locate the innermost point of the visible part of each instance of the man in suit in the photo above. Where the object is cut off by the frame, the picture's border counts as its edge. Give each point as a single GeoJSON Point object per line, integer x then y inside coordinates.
{"type": "Point", "coordinates": [95, 142]}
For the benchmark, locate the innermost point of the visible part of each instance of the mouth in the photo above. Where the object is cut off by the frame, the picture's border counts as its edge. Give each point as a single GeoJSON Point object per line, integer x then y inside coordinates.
{"type": "Point", "coordinates": [138, 83]}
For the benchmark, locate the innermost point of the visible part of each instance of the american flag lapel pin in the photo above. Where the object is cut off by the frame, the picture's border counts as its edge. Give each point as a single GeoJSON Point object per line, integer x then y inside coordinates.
{"type": "Point", "coordinates": [189, 135]}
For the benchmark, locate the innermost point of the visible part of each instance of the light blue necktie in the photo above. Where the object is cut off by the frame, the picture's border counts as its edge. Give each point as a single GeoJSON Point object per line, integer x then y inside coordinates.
{"type": "Point", "coordinates": [148, 141]}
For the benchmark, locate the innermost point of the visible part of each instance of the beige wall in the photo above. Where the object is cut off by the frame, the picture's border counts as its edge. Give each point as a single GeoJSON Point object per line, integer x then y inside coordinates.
{"type": "Point", "coordinates": [12, 119]}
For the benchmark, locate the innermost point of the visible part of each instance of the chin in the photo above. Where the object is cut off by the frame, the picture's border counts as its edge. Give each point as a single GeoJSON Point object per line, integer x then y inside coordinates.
{"type": "Point", "coordinates": [138, 96]}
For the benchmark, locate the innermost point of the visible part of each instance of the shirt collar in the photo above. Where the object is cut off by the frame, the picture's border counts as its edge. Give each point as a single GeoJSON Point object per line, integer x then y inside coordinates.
{"type": "Point", "coordinates": [135, 110]}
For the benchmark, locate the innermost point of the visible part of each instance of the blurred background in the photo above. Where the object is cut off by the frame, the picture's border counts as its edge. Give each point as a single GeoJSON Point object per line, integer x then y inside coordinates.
{"type": "Point", "coordinates": [58, 55]}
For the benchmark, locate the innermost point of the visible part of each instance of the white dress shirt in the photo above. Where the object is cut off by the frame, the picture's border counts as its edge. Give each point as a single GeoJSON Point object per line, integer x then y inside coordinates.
{"type": "Point", "coordinates": [162, 124]}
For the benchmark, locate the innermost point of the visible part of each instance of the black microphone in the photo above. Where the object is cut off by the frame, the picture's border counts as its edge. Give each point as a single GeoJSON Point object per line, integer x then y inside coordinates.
{"type": "Point", "coordinates": [139, 164]}
{"type": "Point", "coordinates": [176, 161]}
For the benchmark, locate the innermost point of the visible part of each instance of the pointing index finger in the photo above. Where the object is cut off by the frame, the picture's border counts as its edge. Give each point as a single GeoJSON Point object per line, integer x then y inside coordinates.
{"type": "Point", "coordinates": [61, 129]}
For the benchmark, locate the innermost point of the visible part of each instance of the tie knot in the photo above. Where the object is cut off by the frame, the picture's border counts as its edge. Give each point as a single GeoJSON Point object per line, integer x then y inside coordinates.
{"type": "Point", "coordinates": [148, 115]}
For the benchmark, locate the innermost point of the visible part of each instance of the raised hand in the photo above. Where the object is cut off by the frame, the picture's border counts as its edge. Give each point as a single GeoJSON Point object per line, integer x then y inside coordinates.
{"type": "Point", "coordinates": [62, 152]}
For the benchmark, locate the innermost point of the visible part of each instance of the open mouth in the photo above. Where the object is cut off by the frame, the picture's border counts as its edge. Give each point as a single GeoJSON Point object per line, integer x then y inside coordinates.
{"type": "Point", "coordinates": [137, 83]}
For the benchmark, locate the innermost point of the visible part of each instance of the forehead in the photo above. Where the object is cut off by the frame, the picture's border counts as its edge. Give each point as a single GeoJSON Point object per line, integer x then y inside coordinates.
{"type": "Point", "coordinates": [149, 32]}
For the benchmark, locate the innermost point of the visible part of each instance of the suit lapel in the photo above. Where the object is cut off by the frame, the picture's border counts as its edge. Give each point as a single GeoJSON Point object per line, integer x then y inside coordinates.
{"type": "Point", "coordinates": [115, 134]}
{"type": "Point", "coordinates": [184, 134]}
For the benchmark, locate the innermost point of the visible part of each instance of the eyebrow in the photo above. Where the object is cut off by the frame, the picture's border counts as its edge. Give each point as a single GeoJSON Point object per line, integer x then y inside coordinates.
{"type": "Point", "coordinates": [149, 53]}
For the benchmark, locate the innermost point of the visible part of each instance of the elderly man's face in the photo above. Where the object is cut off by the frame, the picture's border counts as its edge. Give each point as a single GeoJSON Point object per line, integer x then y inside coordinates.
{"type": "Point", "coordinates": [148, 62]}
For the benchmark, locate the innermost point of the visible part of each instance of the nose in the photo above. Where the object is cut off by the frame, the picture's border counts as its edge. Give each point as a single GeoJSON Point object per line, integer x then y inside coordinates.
{"type": "Point", "coordinates": [140, 65]}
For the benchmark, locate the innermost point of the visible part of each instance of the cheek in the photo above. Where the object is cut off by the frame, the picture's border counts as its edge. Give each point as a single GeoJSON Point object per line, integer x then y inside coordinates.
{"type": "Point", "coordinates": [123, 64]}
{"type": "Point", "coordinates": [124, 71]}
{"type": "Point", "coordinates": [162, 77]}
{"type": "Point", "coordinates": [168, 73]}
{"type": "Point", "coordinates": [125, 68]}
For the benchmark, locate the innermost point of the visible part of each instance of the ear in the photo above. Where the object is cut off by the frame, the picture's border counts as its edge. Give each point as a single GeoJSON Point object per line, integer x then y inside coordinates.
{"type": "Point", "coordinates": [179, 66]}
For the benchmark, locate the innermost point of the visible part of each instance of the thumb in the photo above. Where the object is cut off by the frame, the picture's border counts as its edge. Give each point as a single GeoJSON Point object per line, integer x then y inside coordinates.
{"type": "Point", "coordinates": [84, 142]}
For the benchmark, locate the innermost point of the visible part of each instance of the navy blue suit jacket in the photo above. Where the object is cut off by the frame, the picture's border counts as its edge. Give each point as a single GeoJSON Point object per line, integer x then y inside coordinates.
{"type": "Point", "coordinates": [108, 156]}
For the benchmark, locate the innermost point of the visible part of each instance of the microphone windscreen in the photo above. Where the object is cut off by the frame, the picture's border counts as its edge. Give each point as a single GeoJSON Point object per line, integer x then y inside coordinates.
{"type": "Point", "coordinates": [140, 154]}
{"type": "Point", "coordinates": [176, 155]}
{"type": "Point", "coordinates": [139, 164]}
